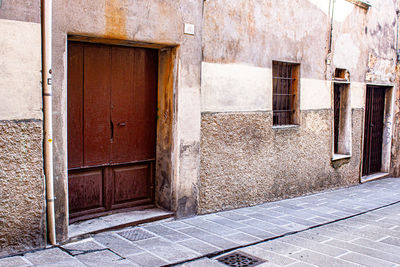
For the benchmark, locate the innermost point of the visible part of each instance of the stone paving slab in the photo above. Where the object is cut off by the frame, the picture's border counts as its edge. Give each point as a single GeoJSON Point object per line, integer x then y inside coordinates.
{"type": "Point", "coordinates": [204, 262]}
{"type": "Point", "coordinates": [147, 260]}
{"type": "Point", "coordinates": [323, 247]}
{"type": "Point", "coordinates": [170, 242]}
{"type": "Point", "coordinates": [16, 261]}
{"type": "Point", "coordinates": [113, 220]}
{"type": "Point", "coordinates": [103, 258]}
{"type": "Point", "coordinates": [52, 255]}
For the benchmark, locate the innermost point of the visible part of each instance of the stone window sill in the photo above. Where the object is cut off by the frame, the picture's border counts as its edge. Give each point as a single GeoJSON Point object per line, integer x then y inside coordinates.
{"type": "Point", "coordinates": [340, 156]}
{"type": "Point", "coordinates": [374, 176]}
{"type": "Point", "coordinates": [286, 127]}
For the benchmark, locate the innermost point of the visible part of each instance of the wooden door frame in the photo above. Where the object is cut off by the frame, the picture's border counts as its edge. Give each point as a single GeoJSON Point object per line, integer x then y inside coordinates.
{"type": "Point", "coordinates": [166, 113]}
{"type": "Point", "coordinates": [386, 135]}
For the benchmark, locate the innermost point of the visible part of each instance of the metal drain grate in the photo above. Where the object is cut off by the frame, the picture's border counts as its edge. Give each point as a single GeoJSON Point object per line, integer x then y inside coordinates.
{"type": "Point", "coordinates": [240, 259]}
{"type": "Point", "coordinates": [136, 234]}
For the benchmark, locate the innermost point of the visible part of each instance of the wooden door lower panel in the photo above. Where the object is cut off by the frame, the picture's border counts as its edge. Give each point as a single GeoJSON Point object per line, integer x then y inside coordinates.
{"type": "Point", "coordinates": [86, 191]}
{"type": "Point", "coordinates": [132, 185]}
{"type": "Point", "coordinates": [98, 191]}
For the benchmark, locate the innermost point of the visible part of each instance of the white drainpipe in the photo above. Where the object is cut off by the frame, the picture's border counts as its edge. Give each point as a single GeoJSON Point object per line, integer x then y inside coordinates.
{"type": "Point", "coordinates": [48, 113]}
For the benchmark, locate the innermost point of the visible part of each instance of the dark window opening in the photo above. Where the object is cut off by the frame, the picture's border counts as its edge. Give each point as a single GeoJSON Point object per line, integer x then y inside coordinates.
{"type": "Point", "coordinates": [336, 111]}
{"type": "Point", "coordinates": [341, 119]}
{"type": "Point", "coordinates": [341, 75]}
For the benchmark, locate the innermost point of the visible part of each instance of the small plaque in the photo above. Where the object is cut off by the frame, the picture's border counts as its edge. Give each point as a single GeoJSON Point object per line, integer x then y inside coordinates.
{"type": "Point", "coordinates": [189, 29]}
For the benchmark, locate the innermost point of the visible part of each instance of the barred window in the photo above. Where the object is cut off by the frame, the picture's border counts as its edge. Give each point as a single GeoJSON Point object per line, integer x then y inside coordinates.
{"type": "Point", "coordinates": [285, 92]}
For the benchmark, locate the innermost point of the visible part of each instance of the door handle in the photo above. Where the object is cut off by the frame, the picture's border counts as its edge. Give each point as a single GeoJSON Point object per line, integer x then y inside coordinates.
{"type": "Point", "coordinates": [122, 124]}
{"type": "Point", "coordinates": [112, 130]}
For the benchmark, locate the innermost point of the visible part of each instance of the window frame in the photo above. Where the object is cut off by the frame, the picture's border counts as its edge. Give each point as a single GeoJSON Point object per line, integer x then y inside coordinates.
{"type": "Point", "coordinates": [280, 77]}
{"type": "Point", "coordinates": [342, 141]}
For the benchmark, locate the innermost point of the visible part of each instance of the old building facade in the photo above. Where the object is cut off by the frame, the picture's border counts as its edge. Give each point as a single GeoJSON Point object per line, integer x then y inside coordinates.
{"type": "Point", "coordinates": [192, 106]}
{"type": "Point", "coordinates": [239, 139]}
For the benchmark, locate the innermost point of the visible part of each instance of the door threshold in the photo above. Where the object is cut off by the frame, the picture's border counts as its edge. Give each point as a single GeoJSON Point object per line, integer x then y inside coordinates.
{"type": "Point", "coordinates": [373, 176]}
{"type": "Point", "coordinates": [116, 221]}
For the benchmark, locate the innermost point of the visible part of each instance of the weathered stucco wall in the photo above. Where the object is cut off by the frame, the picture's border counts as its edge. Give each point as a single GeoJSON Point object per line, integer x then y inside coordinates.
{"type": "Point", "coordinates": [395, 153]}
{"type": "Point", "coordinates": [20, 67]}
{"type": "Point", "coordinates": [22, 209]}
{"type": "Point", "coordinates": [159, 23]}
{"type": "Point", "coordinates": [241, 38]}
{"type": "Point", "coordinates": [395, 156]}
{"type": "Point", "coordinates": [244, 161]}
{"type": "Point", "coordinates": [20, 10]}
{"type": "Point", "coordinates": [381, 31]}
{"type": "Point", "coordinates": [381, 69]}
{"type": "Point", "coordinates": [22, 199]}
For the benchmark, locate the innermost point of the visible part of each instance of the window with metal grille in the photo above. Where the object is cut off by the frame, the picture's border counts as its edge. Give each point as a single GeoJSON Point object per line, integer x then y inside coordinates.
{"type": "Point", "coordinates": [285, 92]}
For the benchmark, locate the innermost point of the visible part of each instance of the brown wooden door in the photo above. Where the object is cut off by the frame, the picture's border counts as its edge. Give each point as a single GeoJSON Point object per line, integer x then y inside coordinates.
{"type": "Point", "coordinates": [373, 129]}
{"type": "Point", "coordinates": [112, 105]}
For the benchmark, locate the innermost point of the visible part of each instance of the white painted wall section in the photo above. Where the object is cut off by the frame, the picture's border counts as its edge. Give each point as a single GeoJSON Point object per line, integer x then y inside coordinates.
{"type": "Point", "coordinates": [315, 94]}
{"type": "Point", "coordinates": [357, 95]}
{"type": "Point", "coordinates": [20, 70]}
{"type": "Point", "coordinates": [235, 87]}
{"type": "Point", "coordinates": [343, 8]}
{"type": "Point", "coordinates": [240, 88]}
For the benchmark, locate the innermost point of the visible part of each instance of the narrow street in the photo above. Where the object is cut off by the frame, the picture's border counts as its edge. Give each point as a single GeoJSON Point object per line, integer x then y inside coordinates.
{"type": "Point", "coordinates": [353, 226]}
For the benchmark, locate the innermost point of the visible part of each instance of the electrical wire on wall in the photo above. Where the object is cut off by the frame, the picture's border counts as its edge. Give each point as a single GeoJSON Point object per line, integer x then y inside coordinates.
{"type": "Point", "coordinates": [331, 13]}
{"type": "Point", "coordinates": [397, 37]}
{"type": "Point", "coordinates": [328, 59]}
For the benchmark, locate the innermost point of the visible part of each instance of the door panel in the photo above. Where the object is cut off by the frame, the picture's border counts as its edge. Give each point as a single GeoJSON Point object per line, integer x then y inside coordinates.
{"type": "Point", "coordinates": [146, 106]}
{"type": "Point", "coordinates": [122, 108]}
{"type": "Point", "coordinates": [75, 105]}
{"type": "Point", "coordinates": [96, 102]}
{"type": "Point", "coordinates": [112, 107]}
{"type": "Point", "coordinates": [373, 129]}
{"type": "Point", "coordinates": [131, 183]}
{"type": "Point", "coordinates": [85, 190]}
{"type": "Point", "coordinates": [145, 140]}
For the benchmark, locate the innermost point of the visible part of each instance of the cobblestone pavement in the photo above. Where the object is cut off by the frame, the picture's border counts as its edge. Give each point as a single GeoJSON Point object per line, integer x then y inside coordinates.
{"type": "Point", "coordinates": [353, 226]}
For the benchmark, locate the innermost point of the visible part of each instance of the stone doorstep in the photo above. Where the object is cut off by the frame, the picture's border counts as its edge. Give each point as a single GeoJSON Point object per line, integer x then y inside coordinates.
{"type": "Point", "coordinates": [374, 176]}
{"type": "Point", "coordinates": [116, 221]}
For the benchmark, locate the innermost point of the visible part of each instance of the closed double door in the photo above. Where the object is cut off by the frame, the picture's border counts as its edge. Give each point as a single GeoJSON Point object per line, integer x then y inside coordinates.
{"type": "Point", "coordinates": [112, 114]}
{"type": "Point", "coordinates": [373, 129]}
